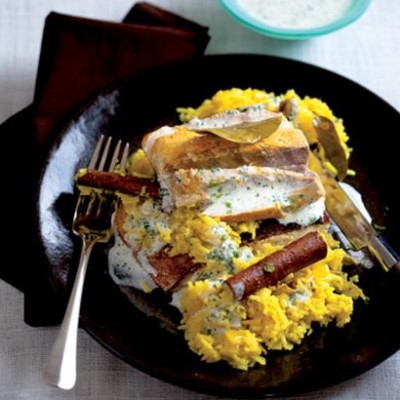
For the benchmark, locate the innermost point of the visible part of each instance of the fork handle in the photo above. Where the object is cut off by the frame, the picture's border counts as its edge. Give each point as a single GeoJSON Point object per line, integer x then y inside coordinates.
{"type": "Point", "coordinates": [60, 369]}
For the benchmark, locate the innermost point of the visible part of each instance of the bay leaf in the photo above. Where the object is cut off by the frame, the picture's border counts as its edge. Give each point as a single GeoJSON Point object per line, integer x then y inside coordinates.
{"type": "Point", "coordinates": [289, 108]}
{"type": "Point", "coordinates": [246, 132]}
{"type": "Point", "coordinates": [329, 139]}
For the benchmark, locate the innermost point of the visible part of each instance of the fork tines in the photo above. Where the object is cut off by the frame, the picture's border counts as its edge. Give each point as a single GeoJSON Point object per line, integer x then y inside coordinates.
{"type": "Point", "coordinates": [101, 155]}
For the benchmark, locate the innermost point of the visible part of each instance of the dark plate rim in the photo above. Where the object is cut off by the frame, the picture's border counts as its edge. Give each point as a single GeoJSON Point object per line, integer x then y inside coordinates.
{"type": "Point", "coordinates": [63, 128]}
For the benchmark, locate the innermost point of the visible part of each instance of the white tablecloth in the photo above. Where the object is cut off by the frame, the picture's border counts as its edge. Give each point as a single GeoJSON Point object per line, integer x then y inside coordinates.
{"type": "Point", "coordinates": [367, 52]}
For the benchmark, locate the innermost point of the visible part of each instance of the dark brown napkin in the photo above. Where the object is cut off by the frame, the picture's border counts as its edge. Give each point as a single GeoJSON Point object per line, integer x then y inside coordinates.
{"type": "Point", "coordinates": [79, 57]}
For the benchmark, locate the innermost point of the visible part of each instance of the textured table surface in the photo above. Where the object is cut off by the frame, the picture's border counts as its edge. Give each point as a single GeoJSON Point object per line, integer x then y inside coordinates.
{"type": "Point", "coordinates": [367, 52]}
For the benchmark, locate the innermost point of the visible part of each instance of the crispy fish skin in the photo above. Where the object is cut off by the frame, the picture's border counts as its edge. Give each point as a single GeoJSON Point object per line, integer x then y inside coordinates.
{"type": "Point", "coordinates": [183, 148]}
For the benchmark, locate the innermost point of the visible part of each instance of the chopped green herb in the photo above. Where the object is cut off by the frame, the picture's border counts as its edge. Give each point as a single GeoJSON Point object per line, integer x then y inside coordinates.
{"type": "Point", "coordinates": [146, 224]}
{"type": "Point", "coordinates": [228, 205]}
{"type": "Point", "coordinates": [213, 184]}
{"type": "Point", "coordinates": [236, 254]}
{"type": "Point", "coordinates": [148, 228]}
{"type": "Point", "coordinates": [216, 195]}
{"type": "Point", "coordinates": [230, 268]}
{"type": "Point", "coordinates": [162, 192]}
{"type": "Point", "coordinates": [204, 276]}
{"type": "Point", "coordinates": [215, 255]}
{"type": "Point", "coordinates": [269, 267]}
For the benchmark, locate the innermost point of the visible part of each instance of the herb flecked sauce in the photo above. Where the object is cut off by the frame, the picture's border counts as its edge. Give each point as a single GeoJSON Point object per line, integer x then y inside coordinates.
{"type": "Point", "coordinates": [295, 14]}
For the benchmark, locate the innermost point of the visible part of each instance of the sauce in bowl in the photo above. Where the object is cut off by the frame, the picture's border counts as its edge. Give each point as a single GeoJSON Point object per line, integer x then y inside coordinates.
{"type": "Point", "coordinates": [295, 14]}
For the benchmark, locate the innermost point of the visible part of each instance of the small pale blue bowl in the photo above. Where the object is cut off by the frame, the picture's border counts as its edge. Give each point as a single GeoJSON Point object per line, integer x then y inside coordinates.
{"type": "Point", "coordinates": [356, 9]}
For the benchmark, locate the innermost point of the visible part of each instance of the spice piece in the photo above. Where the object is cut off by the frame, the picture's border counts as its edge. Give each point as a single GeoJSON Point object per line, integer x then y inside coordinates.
{"type": "Point", "coordinates": [302, 252]}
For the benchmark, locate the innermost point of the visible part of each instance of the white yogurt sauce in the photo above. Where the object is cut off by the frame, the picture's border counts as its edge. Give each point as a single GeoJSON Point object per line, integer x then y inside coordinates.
{"type": "Point", "coordinates": [126, 270]}
{"type": "Point", "coordinates": [294, 14]}
{"type": "Point", "coordinates": [254, 113]}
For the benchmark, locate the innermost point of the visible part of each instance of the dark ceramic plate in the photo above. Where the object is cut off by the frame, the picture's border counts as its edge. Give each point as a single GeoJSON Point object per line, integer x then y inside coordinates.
{"type": "Point", "coordinates": [145, 102]}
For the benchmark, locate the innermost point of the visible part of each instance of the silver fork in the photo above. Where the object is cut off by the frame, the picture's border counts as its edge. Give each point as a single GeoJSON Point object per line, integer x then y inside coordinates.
{"type": "Point", "coordinates": [92, 222]}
